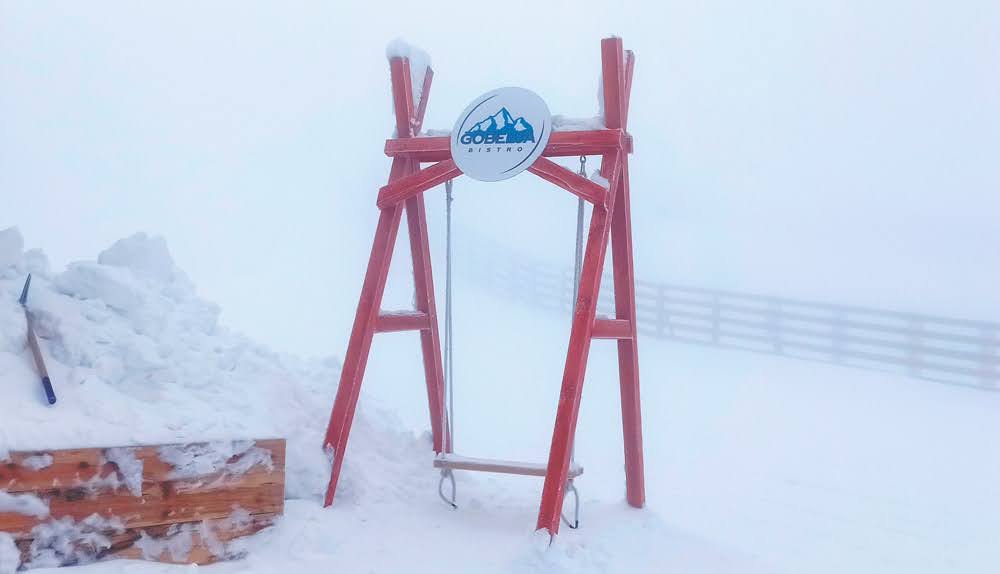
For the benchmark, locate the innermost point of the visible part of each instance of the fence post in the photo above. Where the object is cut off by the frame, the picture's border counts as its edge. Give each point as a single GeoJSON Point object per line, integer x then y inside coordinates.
{"type": "Point", "coordinates": [913, 353]}
{"type": "Point", "coordinates": [662, 319]}
{"type": "Point", "coordinates": [568, 284]}
{"type": "Point", "coordinates": [774, 325]}
{"type": "Point", "coordinates": [990, 377]}
{"type": "Point", "coordinates": [837, 336]}
{"type": "Point", "coordinates": [716, 312]}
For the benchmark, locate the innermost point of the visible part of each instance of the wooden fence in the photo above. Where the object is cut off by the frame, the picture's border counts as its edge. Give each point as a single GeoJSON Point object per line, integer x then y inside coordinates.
{"type": "Point", "coordinates": [955, 351]}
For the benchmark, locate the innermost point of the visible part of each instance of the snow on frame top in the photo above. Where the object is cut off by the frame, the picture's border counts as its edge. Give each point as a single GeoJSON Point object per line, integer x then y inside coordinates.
{"type": "Point", "coordinates": [420, 61]}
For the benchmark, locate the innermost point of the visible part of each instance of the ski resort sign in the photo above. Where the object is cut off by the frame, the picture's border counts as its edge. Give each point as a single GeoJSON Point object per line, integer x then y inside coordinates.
{"type": "Point", "coordinates": [501, 134]}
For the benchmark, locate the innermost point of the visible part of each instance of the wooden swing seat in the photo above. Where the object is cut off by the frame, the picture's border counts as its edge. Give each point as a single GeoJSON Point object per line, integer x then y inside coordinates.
{"type": "Point", "coordinates": [454, 461]}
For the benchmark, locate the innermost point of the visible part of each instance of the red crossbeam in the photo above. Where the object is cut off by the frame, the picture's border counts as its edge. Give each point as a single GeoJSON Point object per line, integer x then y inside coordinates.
{"type": "Point", "coordinates": [410, 321]}
{"type": "Point", "coordinates": [612, 329]}
{"type": "Point", "coordinates": [561, 144]}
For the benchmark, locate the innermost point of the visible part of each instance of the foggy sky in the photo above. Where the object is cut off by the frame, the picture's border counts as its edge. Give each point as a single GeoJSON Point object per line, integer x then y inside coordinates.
{"type": "Point", "coordinates": [837, 151]}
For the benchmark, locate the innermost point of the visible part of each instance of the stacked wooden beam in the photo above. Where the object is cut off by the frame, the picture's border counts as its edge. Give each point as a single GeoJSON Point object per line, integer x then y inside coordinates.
{"type": "Point", "coordinates": [180, 503]}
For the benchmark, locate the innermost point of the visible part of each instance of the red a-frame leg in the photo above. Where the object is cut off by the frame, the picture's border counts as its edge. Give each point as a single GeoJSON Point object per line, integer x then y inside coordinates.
{"type": "Point", "coordinates": [628, 355]}
{"type": "Point", "coordinates": [614, 218]}
{"type": "Point", "coordinates": [367, 321]}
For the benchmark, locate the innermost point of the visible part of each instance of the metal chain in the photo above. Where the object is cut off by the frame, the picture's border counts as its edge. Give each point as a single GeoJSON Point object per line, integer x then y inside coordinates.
{"type": "Point", "coordinates": [578, 267]}
{"type": "Point", "coordinates": [577, 271]}
{"type": "Point", "coordinates": [449, 341]}
{"type": "Point", "coordinates": [448, 410]}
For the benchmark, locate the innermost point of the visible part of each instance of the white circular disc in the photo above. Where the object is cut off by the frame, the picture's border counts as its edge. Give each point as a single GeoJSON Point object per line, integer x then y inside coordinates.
{"type": "Point", "coordinates": [501, 134]}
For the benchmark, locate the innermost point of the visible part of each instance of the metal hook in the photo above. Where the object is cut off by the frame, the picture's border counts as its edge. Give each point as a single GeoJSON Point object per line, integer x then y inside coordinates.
{"type": "Point", "coordinates": [571, 488]}
{"type": "Point", "coordinates": [447, 473]}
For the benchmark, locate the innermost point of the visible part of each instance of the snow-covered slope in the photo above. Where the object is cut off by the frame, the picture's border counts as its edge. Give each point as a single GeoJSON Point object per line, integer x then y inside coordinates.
{"type": "Point", "coordinates": [137, 358]}
{"type": "Point", "coordinates": [753, 463]}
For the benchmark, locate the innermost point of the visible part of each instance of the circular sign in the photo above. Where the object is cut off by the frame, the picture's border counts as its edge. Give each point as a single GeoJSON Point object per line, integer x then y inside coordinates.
{"type": "Point", "coordinates": [501, 134]}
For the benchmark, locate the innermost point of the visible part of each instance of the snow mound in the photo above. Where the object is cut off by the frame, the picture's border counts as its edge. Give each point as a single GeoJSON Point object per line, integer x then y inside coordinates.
{"type": "Point", "coordinates": [137, 357]}
{"type": "Point", "coordinates": [11, 251]}
{"type": "Point", "coordinates": [143, 255]}
{"type": "Point", "coordinates": [10, 556]}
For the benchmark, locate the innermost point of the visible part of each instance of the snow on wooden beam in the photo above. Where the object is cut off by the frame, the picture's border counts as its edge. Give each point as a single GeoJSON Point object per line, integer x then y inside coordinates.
{"type": "Point", "coordinates": [180, 503]}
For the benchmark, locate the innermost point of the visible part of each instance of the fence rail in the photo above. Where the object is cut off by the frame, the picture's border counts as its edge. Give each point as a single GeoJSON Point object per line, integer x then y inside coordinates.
{"type": "Point", "coordinates": [942, 349]}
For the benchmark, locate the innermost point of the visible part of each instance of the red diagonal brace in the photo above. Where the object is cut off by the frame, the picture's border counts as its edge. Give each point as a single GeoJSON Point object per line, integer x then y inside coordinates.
{"type": "Point", "coordinates": [629, 70]}
{"type": "Point", "coordinates": [411, 185]}
{"type": "Point", "coordinates": [425, 92]}
{"type": "Point", "coordinates": [574, 183]}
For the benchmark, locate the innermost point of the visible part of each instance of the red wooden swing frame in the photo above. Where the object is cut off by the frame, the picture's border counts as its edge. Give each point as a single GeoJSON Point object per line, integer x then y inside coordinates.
{"type": "Point", "coordinates": [611, 216]}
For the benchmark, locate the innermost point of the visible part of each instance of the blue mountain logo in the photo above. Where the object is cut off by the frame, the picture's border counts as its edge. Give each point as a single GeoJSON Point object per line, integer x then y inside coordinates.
{"type": "Point", "coordinates": [500, 128]}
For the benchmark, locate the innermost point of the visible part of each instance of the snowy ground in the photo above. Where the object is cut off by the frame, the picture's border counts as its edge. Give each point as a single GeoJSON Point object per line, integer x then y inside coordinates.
{"type": "Point", "coordinates": [753, 463]}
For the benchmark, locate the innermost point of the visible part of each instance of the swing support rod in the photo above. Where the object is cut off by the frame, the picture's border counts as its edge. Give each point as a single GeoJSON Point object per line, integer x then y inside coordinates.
{"type": "Point", "coordinates": [610, 224]}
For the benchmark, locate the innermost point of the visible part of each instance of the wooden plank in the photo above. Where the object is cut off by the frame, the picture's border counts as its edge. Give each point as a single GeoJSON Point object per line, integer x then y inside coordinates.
{"type": "Point", "coordinates": [209, 542]}
{"type": "Point", "coordinates": [561, 144]}
{"type": "Point", "coordinates": [160, 503]}
{"type": "Point", "coordinates": [73, 467]}
{"type": "Point", "coordinates": [126, 495]}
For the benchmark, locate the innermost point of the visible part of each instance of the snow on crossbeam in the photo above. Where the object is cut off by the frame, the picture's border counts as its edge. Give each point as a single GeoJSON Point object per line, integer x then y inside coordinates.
{"type": "Point", "coordinates": [453, 461]}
